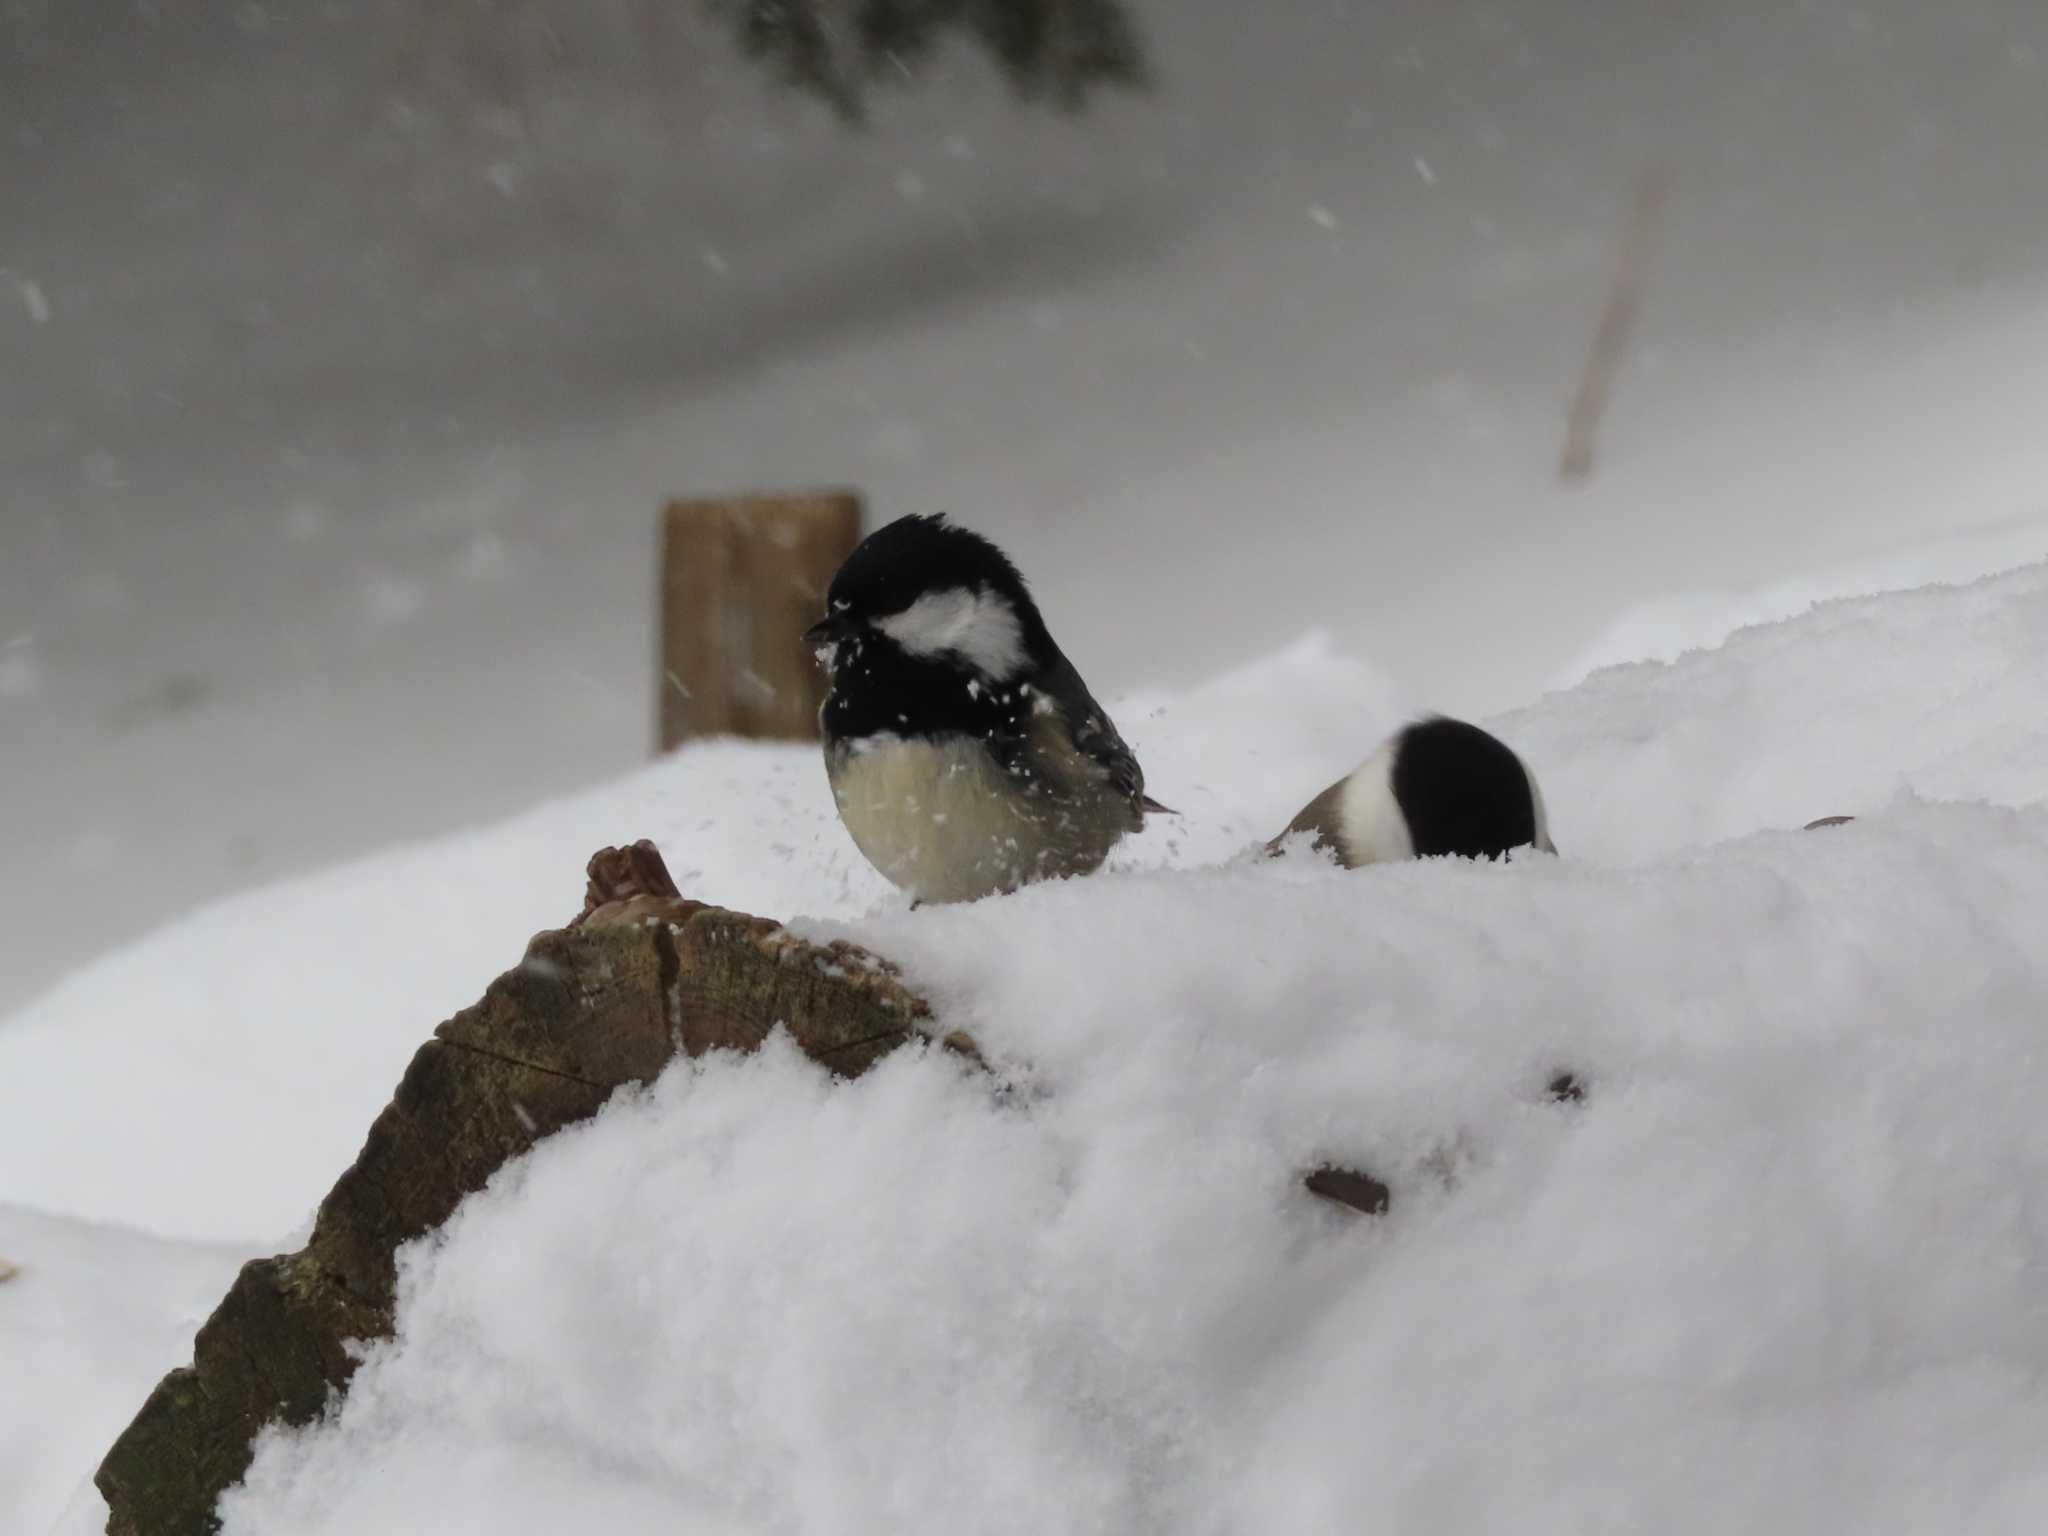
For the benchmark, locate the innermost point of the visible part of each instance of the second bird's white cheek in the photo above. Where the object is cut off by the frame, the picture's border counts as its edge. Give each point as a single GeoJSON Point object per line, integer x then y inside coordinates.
{"type": "Point", "coordinates": [1373, 825]}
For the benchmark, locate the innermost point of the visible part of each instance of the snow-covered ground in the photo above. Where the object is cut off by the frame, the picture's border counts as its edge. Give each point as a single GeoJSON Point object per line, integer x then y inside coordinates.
{"type": "Point", "coordinates": [334, 408]}
{"type": "Point", "coordinates": [86, 1329]}
{"type": "Point", "coordinates": [1785, 1268]}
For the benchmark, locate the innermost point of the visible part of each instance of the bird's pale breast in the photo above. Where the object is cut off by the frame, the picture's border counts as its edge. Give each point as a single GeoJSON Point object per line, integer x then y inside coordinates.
{"type": "Point", "coordinates": [943, 821]}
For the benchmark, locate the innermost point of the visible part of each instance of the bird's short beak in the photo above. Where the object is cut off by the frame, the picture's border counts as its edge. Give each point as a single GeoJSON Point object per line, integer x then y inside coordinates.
{"type": "Point", "coordinates": [829, 630]}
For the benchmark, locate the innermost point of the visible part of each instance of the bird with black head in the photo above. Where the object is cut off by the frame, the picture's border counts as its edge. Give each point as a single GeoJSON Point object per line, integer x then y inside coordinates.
{"type": "Point", "coordinates": [965, 753]}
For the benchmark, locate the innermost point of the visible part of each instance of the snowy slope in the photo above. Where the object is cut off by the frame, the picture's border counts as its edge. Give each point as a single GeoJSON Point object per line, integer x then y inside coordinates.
{"type": "Point", "coordinates": [1667, 626]}
{"type": "Point", "coordinates": [1784, 1269]}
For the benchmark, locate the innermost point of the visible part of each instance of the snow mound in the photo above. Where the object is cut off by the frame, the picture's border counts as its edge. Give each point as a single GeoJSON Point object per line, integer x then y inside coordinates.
{"type": "Point", "coordinates": [1939, 692]}
{"type": "Point", "coordinates": [1667, 627]}
{"type": "Point", "coordinates": [1783, 1269]}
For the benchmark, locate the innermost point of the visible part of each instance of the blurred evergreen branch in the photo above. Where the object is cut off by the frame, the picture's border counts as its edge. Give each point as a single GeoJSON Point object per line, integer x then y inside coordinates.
{"type": "Point", "coordinates": [504, 53]}
{"type": "Point", "coordinates": [1056, 49]}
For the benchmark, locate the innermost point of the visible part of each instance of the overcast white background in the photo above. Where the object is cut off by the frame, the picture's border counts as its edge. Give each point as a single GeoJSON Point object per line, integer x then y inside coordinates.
{"type": "Point", "coordinates": [337, 394]}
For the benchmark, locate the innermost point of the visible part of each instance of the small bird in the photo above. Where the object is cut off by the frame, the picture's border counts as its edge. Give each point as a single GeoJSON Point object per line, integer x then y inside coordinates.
{"type": "Point", "coordinates": [1434, 787]}
{"type": "Point", "coordinates": [965, 753]}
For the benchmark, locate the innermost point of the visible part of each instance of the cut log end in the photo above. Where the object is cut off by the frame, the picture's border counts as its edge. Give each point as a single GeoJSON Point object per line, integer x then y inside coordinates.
{"type": "Point", "coordinates": [620, 874]}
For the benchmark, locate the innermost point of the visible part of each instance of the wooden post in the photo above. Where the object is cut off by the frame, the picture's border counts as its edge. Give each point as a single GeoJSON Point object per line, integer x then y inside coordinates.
{"type": "Point", "coordinates": [742, 578]}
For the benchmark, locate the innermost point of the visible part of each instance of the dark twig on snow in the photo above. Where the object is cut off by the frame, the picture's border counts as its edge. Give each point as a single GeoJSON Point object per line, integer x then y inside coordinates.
{"type": "Point", "coordinates": [1347, 1186]}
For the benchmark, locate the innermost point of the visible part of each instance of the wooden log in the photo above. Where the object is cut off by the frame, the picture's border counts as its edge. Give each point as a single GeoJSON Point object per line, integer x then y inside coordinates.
{"type": "Point", "coordinates": [640, 977]}
{"type": "Point", "coordinates": [742, 577]}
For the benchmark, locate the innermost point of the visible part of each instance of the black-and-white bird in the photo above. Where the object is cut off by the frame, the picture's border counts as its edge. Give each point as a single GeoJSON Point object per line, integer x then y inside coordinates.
{"type": "Point", "coordinates": [1437, 786]}
{"type": "Point", "coordinates": [965, 753]}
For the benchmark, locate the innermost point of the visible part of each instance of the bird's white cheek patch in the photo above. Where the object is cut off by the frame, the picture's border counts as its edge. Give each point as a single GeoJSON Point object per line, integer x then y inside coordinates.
{"type": "Point", "coordinates": [973, 623]}
{"type": "Point", "coordinates": [1543, 841]}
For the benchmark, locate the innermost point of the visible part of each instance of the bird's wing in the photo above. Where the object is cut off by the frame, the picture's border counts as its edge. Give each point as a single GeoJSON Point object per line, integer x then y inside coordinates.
{"type": "Point", "coordinates": [1063, 700]}
{"type": "Point", "coordinates": [1096, 738]}
{"type": "Point", "coordinates": [1323, 816]}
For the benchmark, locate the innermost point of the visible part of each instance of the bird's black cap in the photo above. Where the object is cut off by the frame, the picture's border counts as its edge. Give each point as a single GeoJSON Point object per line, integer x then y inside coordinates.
{"type": "Point", "coordinates": [899, 562]}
